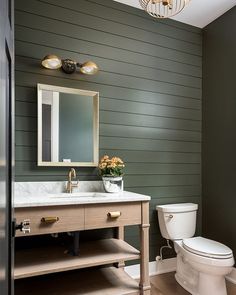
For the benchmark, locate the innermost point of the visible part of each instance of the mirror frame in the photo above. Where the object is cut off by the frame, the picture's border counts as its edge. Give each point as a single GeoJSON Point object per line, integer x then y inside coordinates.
{"type": "Point", "coordinates": [95, 96]}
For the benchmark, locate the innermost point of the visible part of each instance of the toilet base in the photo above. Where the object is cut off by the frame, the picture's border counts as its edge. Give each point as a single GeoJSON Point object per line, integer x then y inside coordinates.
{"type": "Point", "coordinates": [186, 276]}
{"type": "Point", "coordinates": [206, 285]}
{"type": "Point", "coordinates": [183, 283]}
{"type": "Point", "coordinates": [209, 284]}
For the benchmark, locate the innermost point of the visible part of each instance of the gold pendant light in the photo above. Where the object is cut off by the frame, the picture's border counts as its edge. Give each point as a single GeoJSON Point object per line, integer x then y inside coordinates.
{"type": "Point", "coordinates": [163, 8]}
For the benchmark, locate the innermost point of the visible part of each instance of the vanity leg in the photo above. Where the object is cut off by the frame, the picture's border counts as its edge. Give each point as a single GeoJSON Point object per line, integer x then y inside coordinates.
{"type": "Point", "coordinates": [144, 284]}
{"type": "Point", "coordinates": [120, 234]}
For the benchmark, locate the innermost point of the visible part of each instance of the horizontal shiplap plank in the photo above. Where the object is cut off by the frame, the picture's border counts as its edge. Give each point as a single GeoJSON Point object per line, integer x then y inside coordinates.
{"type": "Point", "coordinates": [162, 169]}
{"type": "Point", "coordinates": [107, 104]}
{"type": "Point", "coordinates": [113, 79]}
{"type": "Point", "coordinates": [45, 40]}
{"type": "Point", "coordinates": [84, 33]}
{"type": "Point", "coordinates": [25, 123]}
{"type": "Point", "coordinates": [150, 145]}
{"type": "Point", "coordinates": [148, 133]}
{"type": "Point", "coordinates": [47, 77]}
{"type": "Point", "coordinates": [26, 139]}
{"type": "Point", "coordinates": [43, 177]}
{"type": "Point", "coordinates": [24, 153]}
{"type": "Point", "coordinates": [37, 51]}
{"type": "Point", "coordinates": [101, 25]}
{"type": "Point", "coordinates": [56, 177]}
{"type": "Point", "coordinates": [165, 192]}
{"type": "Point", "coordinates": [29, 93]}
{"type": "Point", "coordinates": [113, 15]}
{"type": "Point", "coordinates": [137, 144]}
{"type": "Point", "coordinates": [127, 119]}
{"type": "Point", "coordinates": [161, 180]}
{"type": "Point", "coordinates": [29, 136]}
{"type": "Point", "coordinates": [131, 168]}
{"type": "Point", "coordinates": [26, 109]}
{"type": "Point", "coordinates": [153, 156]}
{"type": "Point", "coordinates": [31, 168]}
{"type": "Point", "coordinates": [27, 152]}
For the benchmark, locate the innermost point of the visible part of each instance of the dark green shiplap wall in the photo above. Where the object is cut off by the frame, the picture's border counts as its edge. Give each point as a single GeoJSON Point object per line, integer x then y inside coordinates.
{"type": "Point", "coordinates": [150, 94]}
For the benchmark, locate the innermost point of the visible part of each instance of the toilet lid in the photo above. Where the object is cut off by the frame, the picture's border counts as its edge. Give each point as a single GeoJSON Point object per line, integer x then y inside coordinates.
{"type": "Point", "coordinates": [207, 248]}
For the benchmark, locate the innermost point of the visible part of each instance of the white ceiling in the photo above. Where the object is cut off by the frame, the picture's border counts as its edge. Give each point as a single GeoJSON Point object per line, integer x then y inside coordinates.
{"type": "Point", "coordinates": [198, 13]}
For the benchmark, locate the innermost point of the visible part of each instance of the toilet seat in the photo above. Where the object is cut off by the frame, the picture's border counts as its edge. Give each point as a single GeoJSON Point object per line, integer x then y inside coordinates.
{"type": "Point", "coordinates": [207, 248]}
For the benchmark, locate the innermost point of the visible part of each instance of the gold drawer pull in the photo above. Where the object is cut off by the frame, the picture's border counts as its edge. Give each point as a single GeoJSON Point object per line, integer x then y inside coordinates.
{"type": "Point", "coordinates": [49, 219]}
{"type": "Point", "coordinates": [114, 214]}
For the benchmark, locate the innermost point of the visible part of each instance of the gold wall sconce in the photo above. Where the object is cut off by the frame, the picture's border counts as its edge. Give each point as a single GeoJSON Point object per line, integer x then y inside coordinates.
{"type": "Point", "coordinates": [68, 65]}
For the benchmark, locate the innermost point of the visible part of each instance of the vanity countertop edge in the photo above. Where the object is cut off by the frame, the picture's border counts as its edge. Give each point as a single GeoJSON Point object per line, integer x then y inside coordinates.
{"type": "Point", "coordinates": [42, 194]}
{"type": "Point", "coordinates": [43, 200]}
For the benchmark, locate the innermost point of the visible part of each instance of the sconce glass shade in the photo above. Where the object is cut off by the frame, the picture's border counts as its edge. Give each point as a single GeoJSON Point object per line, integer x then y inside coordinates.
{"type": "Point", "coordinates": [89, 68]}
{"type": "Point", "coordinates": [163, 8]}
{"type": "Point", "coordinates": [51, 62]}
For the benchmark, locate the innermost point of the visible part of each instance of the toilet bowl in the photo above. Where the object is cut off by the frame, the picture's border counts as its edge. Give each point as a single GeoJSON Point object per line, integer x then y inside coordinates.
{"type": "Point", "coordinates": [207, 269]}
{"type": "Point", "coordinates": [202, 264]}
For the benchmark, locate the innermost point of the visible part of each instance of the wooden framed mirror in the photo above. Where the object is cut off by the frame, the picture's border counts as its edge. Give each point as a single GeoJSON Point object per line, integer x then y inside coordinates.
{"type": "Point", "coordinates": [68, 126]}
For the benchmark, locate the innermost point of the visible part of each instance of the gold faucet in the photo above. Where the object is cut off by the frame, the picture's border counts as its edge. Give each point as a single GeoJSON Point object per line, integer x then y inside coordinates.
{"type": "Point", "coordinates": [70, 185]}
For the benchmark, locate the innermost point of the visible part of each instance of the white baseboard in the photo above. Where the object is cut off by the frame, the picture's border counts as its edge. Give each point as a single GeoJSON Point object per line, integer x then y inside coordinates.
{"type": "Point", "coordinates": [155, 267]}
{"type": "Point", "coordinates": [232, 276]}
{"type": "Point", "coordinates": [166, 265]}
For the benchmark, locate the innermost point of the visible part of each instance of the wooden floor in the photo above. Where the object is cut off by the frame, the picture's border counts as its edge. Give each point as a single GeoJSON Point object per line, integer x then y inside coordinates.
{"type": "Point", "coordinates": [166, 284]}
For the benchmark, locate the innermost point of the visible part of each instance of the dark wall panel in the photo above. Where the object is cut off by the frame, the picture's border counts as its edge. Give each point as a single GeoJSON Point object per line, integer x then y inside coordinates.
{"type": "Point", "coordinates": [219, 129]}
{"type": "Point", "coordinates": [150, 93]}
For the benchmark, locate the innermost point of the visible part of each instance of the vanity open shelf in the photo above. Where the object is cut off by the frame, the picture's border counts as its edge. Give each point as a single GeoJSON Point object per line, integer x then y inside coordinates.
{"type": "Point", "coordinates": [103, 281]}
{"type": "Point", "coordinates": [40, 261]}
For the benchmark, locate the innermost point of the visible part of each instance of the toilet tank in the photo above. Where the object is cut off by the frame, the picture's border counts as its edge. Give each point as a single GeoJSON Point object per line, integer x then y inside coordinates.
{"type": "Point", "coordinates": [177, 221]}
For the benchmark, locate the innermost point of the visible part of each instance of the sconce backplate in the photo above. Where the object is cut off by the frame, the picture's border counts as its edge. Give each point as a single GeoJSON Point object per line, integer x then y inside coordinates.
{"type": "Point", "coordinates": [68, 66]}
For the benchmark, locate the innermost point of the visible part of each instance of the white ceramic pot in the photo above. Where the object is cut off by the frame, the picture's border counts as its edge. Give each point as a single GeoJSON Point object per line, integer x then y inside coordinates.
{"type": "Point", "coordinates": [112, 184]}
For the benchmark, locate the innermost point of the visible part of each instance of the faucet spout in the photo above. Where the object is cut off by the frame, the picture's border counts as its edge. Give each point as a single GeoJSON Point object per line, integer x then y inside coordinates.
{"type": "Point", "coordinates": [72, 172]}
{"type": "Point", "coordinates": [70, 184]}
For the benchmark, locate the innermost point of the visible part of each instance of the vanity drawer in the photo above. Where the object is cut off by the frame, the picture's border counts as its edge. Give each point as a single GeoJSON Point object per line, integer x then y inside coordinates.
{"type": "Point", "coordinates": [112, 215]}
{"type": "Point", "coordinates": [46, 220]}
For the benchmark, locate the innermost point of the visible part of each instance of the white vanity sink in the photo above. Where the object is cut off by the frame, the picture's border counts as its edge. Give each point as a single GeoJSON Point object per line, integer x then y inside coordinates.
{"type": "Point", "coordinates": [81, 195]}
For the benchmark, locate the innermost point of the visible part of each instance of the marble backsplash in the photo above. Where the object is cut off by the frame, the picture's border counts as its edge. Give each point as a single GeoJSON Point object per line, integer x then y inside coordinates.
{"type": "Point", "coordinates": [55, 187]}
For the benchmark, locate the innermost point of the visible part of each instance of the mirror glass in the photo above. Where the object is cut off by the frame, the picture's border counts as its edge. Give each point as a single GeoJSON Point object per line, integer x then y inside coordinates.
{"type": "Point", "coordinates": [67, 126]}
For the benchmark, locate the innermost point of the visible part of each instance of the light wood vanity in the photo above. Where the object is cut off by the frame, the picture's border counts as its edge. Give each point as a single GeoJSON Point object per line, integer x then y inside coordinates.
{"type": "Point", "coordinates": [49, 271]}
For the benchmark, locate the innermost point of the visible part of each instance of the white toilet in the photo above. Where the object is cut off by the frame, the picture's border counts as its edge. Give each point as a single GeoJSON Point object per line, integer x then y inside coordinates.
{"type": "Point", "coordinates": [202, 264]}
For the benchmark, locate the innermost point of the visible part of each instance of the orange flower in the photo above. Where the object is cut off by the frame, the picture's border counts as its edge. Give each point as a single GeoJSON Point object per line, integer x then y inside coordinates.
{"type": "Point", "coordinates": [111, 166]}
{"type": "Point", "coordinates": [102, 165]}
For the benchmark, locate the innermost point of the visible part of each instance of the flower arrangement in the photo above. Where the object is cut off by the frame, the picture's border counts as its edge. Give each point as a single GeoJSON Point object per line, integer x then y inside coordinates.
{"type": "Point", "coordinates": [111, 166]}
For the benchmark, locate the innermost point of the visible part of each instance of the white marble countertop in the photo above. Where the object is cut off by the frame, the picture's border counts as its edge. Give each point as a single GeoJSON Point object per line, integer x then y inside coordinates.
{"type": "Point", "coordinates": [38, 194]}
